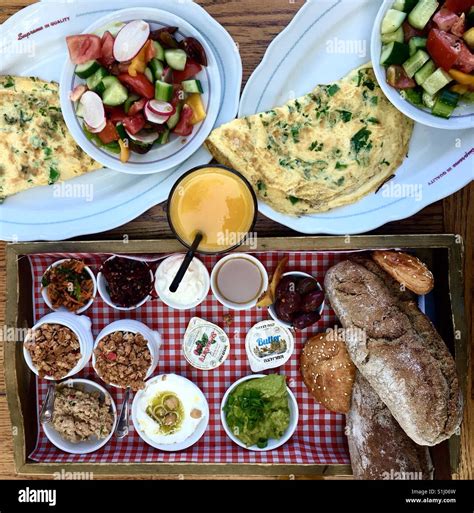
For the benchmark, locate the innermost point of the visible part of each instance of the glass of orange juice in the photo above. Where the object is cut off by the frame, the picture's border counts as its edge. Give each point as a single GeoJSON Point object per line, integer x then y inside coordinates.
{"type": "Point", "coordinates": [214, 201]}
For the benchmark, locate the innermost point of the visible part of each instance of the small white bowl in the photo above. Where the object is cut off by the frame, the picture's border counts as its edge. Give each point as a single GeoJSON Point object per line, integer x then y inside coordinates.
{"type": "Point", "coordinates": [463, 116]}
{"type": "Point", "coordinates": [80, 325]}
{"type": "Point", "coordinates": [104, 293]}
{"type": "Point", "coordinates": [129, 325]}
{"type": "Point", "coordinates": [271, 308]}
{"type": "Point", "coordinates": [88, 445]}
{"type": "Point", "coordinates": [218, 295]}
{"type": "Point", "coordinates": [272, 443]}
{"type": "Point", "coordinates": [191, 440]}
{"type": "Point", "coordinates": [167, 156]}
{"type": "Point", "coordinates": [205, 290]}
{"type": "Point", "coordinates": [44, 290]}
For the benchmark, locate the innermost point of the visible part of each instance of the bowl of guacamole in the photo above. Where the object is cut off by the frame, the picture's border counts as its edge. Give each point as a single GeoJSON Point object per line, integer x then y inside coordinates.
{"type": "Point", "coordinates": [259, 412]}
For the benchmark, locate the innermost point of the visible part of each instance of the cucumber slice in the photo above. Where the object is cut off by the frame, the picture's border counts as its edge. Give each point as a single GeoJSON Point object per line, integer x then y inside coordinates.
{"type": "Point", "coordinates": [436, 81]}
{"type": "Point", "coordinates": [421, 13]}
{"type": "Point", "coordinates": [115, 93]}
{"type": "Point", "coordinates": [80, 110]}
{"type": "Point", "coordinates": [94, 80]}
{"type": "Point", "coordinates": [394, 53]}
{"type": "Point", "coordinates": [470, 17]}
{"type": "Point", "coordinates": [157, 68]}
{"type": "Point", "coordinates": [163, 91]}
{"type": "Point", "coordinates": [468, 36]}
{"type": "Point", "coordinates": [404, 5]}
{"type": "Point", "coordinates": [192, 86]}
{"type": "Point", "coordinates": [129, 102]}
{"type": "Point", "coordinates": [428, 100]}
{"type": "Point", "coordinates": [412, 95]}
{"type": "Point", "coordinates": [164, 137]}
{"type": "Point", "coordinates": [176, 58]}
{"type": "Point", "coordinates": [428, 69]}
{"type": "Point", "coordinates": [149, 75]}
{"type": "Point", "coordinates": [415, 63]}
{"type": "Point", "coordinates": [445, 104]}
{"type": "Point", "coordinates": [87, 69]}
{"type": "Point", "coordinates": [173, 120]}
{"type": "Point", "coordinates": [392, 21]}
{"type": "Point", "coordinates": [393, 36]}
{"type": "Point", "coordinates": [159, 51]}
{"type": "Point", "coordinates": [416, 43]}
{"type": "Point", "coordinates": [121, 131]}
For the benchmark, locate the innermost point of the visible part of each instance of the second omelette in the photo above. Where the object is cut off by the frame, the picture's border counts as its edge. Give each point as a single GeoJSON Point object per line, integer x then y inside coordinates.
{"type": "Point", "coordinates": [323, 150]}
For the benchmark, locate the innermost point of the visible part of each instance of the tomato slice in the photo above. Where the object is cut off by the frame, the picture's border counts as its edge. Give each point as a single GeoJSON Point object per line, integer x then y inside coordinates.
{"type": "Point", "coordinates": [139, 84]}
{"type": "Point", "coordinates": [178, 95]}
{"type": "Point", "coordinates": [192, 68]}
{"type": "Point", "coordinates": [134, 124]}
{"type": "Point", "coordinates": [465, 60]}
{"type": "Point", "coordinates": [149, 51]}
{"type": "Point", "coordinates": [109, 133]}
{"type": "Point", "coordinates": [443, 48]}
{"type": "Point", "coordinates": [137, 107]}
{"type": "Point", "coordinates": [458, 6]}
{"type": "Point", "coordinates": [397, 77]}
{"type": "Point", "coordinates": [184, 126]}
{"type": "Point", "coordinates": [115, 114]}
{"type": "Point", "coordinates": [107, 50]}
{"type": "Point", "coordinates": [83, 48]}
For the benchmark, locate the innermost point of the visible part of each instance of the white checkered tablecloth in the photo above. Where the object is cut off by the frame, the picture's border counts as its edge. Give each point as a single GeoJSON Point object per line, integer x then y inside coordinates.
{"type": "Point", "coordinates": [319, 437]}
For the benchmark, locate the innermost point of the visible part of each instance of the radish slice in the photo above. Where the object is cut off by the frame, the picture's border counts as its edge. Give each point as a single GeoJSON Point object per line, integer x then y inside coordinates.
{"type": "Point", "coordinates": [96, 130]}
{"type": "Point", "coordinates": [77, 92]}
{"type": "Point", "coordinates": [161, 108]}
{"type": "Point", "coordinates": [145, 138]}
{"type": "Point", "coordinates": [155, 118]}
{"type": "Point", "coordinates": [94, 113]}
{"type": "Point", "coordinates": [130, 40]}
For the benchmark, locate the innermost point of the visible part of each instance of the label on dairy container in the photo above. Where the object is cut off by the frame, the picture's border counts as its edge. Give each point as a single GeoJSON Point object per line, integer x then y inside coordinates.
{"type": "Point", "coordinates": [268, 345]}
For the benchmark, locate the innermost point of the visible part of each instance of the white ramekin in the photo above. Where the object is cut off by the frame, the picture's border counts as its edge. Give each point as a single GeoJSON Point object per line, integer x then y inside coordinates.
{"type": "Point", "coordinates": [80, 325]}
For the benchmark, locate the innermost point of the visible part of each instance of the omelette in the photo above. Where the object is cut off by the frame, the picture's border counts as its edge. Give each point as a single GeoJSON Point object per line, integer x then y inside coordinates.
{"type": "Point", "coordinates": [323, 150]}
{"type": "Point", "coordinates": [35, 145]}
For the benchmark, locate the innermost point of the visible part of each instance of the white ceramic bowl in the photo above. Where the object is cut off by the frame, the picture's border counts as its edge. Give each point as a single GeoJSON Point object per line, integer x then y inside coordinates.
{"type": "Point", "coordinates": [224, 301]}
{"type": "Point", "coordinates": [191, 440]}
{"type": "Point", "coordinates": [272, 443]}
{"type": "Point", "coordinates": [205, 290]}
{"type": "Point", "coordinates": [80, 325]}
{"type": "Point", "coordinates": [44, 290]}
{"type": "Point", "coordinates": [271, 308]}
{"type": "Point", "coordinates": [160, 158]}
{"type": "Point", "coordinates": [104, 293]}
{"type": "Point", "coordinates": [462, 117]}
{"type": "Point", "coordinates": [153, 338]}
{"type": "Point", "coordinates": [92, 444]}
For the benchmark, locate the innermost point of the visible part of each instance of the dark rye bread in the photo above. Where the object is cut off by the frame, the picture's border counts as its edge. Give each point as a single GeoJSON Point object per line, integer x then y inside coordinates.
{"type": "Point", "coordinates": [397, 350]}
{"type": "Point", "coordinates": [378, 446]}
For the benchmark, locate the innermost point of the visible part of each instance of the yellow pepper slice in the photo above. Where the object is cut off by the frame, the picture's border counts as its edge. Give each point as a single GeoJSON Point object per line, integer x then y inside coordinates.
{"type": "Point", "coordinates": [138, 64]}
{"type": "Point", "coordinates": [462, 78]}
{"type": "Point", "coordinates": [124, 151]}
{"type": "Point", "coordinates": [195, 102]}
{"type": "Point", "coordinates": [459, 88]}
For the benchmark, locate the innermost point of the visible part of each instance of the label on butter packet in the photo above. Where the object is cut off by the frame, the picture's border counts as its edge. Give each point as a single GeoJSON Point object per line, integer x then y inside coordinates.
{"type": "Point", "coordinates": [205, 345]}
{"type": "Point", "coordinates": [268, 345]}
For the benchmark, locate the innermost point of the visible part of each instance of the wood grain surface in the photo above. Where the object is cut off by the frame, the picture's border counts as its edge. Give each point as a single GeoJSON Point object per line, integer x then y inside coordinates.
{"type": "Point", "coordinates": [253, 24]}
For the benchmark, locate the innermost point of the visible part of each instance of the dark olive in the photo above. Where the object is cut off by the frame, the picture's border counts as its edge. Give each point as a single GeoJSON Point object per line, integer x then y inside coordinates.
{"type": "Point", "coordinates": [140, 148]}
{"type": "Point", "coordinates": [304, 320]}
{"type": "Point", "coordinates": [312, 301]}
{"type": "Point", "coordinates": [165, 37]}
{"type": "Point", "coordinates": [286, 284]}
{"type": "Point", "coordinates": [194, 50]}
{"type": "Point", "coordinates": [292, 300]}
{"type": "Point", "coordinates": [282, 312]}
{"type": "Point", "coordinates": [306, 285]}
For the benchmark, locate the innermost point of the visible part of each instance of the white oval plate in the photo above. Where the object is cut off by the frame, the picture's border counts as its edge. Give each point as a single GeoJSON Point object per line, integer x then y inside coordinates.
{"type": "Point", "coordinates": [176, 151]}
{"type": "Point", "coordinates": [104, 199]}
{"type": "Point", "coordinates": [324, 41]}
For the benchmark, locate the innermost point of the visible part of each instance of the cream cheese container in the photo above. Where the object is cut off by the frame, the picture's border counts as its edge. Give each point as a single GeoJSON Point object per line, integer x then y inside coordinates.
{"type": "Point", "coordinates": [268, 345]}
{"type": "Point", "coordinates": [205, 346]}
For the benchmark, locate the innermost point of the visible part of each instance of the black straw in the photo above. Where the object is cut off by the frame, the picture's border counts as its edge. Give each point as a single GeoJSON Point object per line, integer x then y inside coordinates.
{"type": "Point", "coordinates": [185, 264]}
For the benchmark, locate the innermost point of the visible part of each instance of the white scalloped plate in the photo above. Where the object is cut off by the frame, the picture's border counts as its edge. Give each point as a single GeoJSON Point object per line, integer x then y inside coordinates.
{"type": "Point", "coordinates": [324, 41]}
{"type": "Point", "coordinates": [117, 198]}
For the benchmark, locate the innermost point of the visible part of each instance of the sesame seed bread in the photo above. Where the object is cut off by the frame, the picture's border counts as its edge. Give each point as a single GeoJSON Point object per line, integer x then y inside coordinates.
{"type": "Point", "coordinates": [397, 349]}
{"type": "Point", "coordinates": [327, 370]}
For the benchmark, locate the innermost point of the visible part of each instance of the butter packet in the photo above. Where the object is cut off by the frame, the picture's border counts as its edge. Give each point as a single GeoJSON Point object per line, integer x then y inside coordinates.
{"type": "Point", "coordinates": [268, 345]}
{"type": "Point", "coordinates": [205, 345]}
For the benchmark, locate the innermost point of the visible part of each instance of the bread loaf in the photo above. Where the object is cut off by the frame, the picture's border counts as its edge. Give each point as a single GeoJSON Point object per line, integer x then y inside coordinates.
{"type": "Point", "coordinates": [378, 447]}
{"type": "Point", "coordinates": [397, 349]}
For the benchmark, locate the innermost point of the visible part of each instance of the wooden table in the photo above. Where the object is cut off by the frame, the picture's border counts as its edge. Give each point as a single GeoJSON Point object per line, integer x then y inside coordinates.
{"type": "Point", "coordinates": [254, 24]}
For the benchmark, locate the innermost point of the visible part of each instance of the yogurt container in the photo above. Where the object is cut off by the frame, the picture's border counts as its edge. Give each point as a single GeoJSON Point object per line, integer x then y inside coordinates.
{"type": "Point", "coordinates": [268, 345]}
{"type": "Point", "coordinates": [205, 346]}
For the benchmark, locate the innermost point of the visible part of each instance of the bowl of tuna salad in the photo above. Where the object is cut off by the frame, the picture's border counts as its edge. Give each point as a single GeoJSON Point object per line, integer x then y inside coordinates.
{"type": "Point", "coordinates": [84, 417]}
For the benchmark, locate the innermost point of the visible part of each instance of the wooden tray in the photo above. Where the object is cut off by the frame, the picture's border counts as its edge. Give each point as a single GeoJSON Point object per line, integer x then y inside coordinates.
{"type": "Point", "coordinates": [442, 253]}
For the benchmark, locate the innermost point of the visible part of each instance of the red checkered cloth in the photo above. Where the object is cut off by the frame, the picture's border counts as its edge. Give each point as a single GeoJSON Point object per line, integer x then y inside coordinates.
{"type": "Point", "coordinates": [319, 437]}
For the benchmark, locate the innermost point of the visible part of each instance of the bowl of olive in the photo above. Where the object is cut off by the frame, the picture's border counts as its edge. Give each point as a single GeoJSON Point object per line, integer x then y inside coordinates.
{"type": "Point", "coordinates": [299, 300]}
